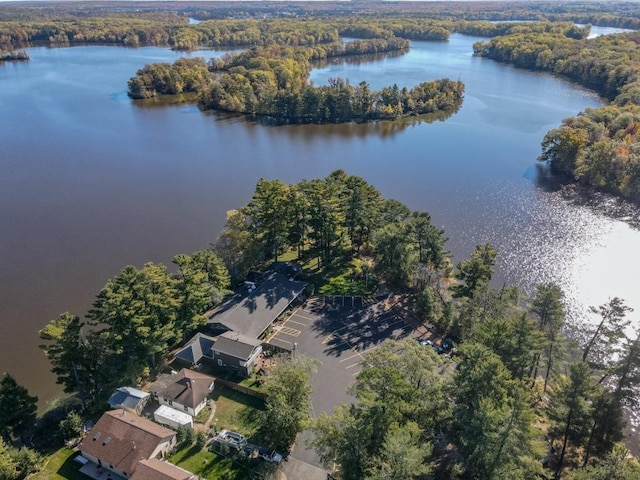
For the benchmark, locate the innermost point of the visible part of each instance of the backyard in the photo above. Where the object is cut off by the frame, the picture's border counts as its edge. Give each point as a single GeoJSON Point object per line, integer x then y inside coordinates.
{"type": "Point", "coordinates": [234, 411]}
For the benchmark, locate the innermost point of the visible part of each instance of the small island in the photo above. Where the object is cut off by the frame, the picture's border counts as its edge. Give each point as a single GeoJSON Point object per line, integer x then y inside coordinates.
{"type": "Point", "coordinates": [272, 82]}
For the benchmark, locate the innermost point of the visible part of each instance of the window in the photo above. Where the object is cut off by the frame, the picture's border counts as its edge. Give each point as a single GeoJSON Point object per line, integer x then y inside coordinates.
{"type": "Point", "coordinates": [220, 364]}
{"type": "Point", "coordinates": [186, 409]}
{"type": "Point", "coordinates": [170, 402]}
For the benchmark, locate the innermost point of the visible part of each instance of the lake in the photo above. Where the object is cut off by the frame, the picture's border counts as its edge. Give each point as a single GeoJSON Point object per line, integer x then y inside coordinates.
{"type": "Point", "coordinates": [91, 181]}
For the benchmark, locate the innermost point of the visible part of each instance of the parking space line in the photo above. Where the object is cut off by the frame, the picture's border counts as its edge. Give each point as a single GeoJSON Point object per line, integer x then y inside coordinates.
{"type": "Point", "coordinates": [350, 357]}
{"type": "Point", "coordinates": [302, 316]}
{"type": "Point", "coordinates": [298, 323]}
{"type": "Point", "coordinates": [349, 345]}
{"type": "Point", "coordinates": [368, 350]}
{"type": "Point", "coordinates": [354, 365]}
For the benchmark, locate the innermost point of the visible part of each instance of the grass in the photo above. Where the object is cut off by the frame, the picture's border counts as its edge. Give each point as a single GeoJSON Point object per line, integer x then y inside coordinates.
{"type": "Point", "coordinates": [236, 411]}
{"type": "Point", "coordinates": [60, 466]}
{"type": "Point", "coordinates": [208, 464]}
{"type": "Point", "coordinates": [345, 275]}
{"type": "Point", "coordinates": [203, 415]}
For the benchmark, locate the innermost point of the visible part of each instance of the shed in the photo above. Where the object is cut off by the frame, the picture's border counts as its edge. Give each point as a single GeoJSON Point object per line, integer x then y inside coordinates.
{"type": "Point", "coordinates": [165, 415]}
{"type": "Point", "coordinates": [130, 399]}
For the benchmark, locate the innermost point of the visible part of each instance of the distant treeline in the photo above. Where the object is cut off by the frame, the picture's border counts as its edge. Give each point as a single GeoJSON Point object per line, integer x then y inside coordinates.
{"type": "Point", "coordinates": [273, 82]}
{"type": "Point", "coordinates": [171, 32]}
{"type": "Point", "coordinates": [612, 14]}
{"type": "Point", "coordinates": [601, 146]}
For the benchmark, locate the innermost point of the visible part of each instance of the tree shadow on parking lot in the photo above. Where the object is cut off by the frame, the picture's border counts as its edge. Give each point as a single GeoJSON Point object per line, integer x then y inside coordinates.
{"type": "Point", "coordinates": [348, 328]}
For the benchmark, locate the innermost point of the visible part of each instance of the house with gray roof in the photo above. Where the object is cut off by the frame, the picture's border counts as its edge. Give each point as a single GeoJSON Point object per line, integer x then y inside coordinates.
{"type": "Point", "coordinates": [253, 311]}
{"type": "Point", "coordinates": [197, 350]}
{"type": "Point", "coordinates": [236, 352]}
{"type": "Point", "coordinates": [130, 399]}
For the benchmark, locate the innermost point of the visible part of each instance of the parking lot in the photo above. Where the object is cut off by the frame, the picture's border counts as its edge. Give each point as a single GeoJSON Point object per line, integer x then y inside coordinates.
{"type": "Point", "coordinates": [339, 332]}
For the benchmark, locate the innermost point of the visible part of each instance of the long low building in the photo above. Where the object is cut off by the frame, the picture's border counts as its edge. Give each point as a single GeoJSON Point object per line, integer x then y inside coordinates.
{"type": "Point", "coordinates": [251, 313]}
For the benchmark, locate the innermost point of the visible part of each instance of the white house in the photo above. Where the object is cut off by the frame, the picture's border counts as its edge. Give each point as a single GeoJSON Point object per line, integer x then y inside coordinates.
{"type": "Point", "coordinates": [186, 391]}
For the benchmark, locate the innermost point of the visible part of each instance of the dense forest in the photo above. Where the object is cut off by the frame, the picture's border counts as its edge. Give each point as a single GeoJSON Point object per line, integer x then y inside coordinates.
{"type": "Point", "coordinates": [599, 146]}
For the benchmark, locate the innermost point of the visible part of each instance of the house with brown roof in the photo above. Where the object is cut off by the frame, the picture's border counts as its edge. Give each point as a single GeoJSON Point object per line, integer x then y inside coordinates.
{"type": "Point", "coordinates": [121, 439]}
{"type": "Point", "coordinates": [186, 391]}
{"type": "Point", "coordinates": [154, 469]}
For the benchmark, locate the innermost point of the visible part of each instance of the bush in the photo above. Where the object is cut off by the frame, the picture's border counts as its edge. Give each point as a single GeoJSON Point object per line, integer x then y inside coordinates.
{"type": "Point", "coordinates": [201, 440]}
{"type": "Point", "coordinates": [71, 426]}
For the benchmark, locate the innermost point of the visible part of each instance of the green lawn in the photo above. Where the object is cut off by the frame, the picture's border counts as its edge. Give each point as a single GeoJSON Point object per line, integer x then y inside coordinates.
{"type": "Point", "coordinates": [236, 411]}
{"type": "Point", "coordinates": [60, 466]}
{"type": "Point", "coordinates": [209, 465]}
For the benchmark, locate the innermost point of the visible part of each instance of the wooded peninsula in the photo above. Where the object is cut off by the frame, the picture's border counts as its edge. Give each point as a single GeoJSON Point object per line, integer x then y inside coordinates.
{"type": "Point", "coordinates": [512, 390]}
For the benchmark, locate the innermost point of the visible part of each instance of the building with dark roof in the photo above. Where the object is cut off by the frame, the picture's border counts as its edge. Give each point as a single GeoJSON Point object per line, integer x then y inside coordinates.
{"type": "Point", "coordinates": [120, 439]}
{"type": "Point", "coordinates": [130, 399]}
{"type": "Point", "coordinates": [253, 311]}
{"type": "Point", "coordinates": [197, 350]}
{"type": "Point", "coordinates": [236, 352]}
{"type": "Point", "coordinates": [186, 391]}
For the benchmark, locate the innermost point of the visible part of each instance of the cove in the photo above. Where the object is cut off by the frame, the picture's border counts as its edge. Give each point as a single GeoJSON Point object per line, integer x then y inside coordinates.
{"type": "Point", "coordinates": [91, 181]}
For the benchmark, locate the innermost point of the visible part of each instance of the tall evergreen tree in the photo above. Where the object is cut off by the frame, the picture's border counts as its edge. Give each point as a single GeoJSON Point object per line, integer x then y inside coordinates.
{"type": "Point", "coordinates": [269, 216]}
{"type": "Point", "coordinates": [476, 271]}
{"type": "Point", "coordinates": [17, 408]}
{"type": "Point", "coordinates": [548, 306]}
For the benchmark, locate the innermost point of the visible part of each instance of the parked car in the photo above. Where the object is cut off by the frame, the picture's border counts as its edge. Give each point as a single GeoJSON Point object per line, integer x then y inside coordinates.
{"type": "Point", "coordinates": [269, 455]}
{"type": "Point", "coordinates": [231, 439]}
{"type": "Point", "coordinates": [447, 344]}
{"type": "Point", "coordinates": [425, 342]}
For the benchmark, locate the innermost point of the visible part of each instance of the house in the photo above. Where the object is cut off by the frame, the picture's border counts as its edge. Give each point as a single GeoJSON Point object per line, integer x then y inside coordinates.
{"type": "Point", "coordinates": [262, 301]}
{"type": "Point", "coordinates": [154, 469]}
{"type": "Point", "coordinates": [130, 399]}
{"type": "Point", "coordinates": [197, 350]}
{"type": "Point", "coordinates": [121, 439]}
{"type": "Point", "coordinates": [236, 352]}
{"type": "Point", "coordinates": [186, 391]}
{"type": "Point", "coordinates": [172, 418]}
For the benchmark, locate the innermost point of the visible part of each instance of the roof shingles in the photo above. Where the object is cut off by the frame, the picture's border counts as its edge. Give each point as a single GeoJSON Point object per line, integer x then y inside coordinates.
{"type": "Point", "coordinates": [187, 388]}
{"type": "Point", "coordinates": [121, 439]}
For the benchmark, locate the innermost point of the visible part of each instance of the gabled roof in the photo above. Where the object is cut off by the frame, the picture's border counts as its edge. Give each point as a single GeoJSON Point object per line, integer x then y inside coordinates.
{"type": "Point", "coordinates": [236, 345]}
{"type": "Point", "coordinates": [155, 469]}
{"type": "Point", "coordinates": [121, 439]}
{"type": "Point", "coordinates": [252, 313]}
{"type": "Point", "coordinates": [127, 397]}
{"type": "Point", "coordinates": [187, 388]}
{"type": "Point", "coordinates": [199, 346]}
